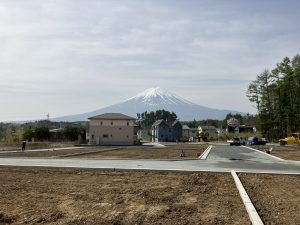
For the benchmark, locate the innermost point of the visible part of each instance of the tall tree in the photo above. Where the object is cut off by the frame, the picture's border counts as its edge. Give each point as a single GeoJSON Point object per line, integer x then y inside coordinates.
{"type": "Point", "coordinates": [145, 119]}
{"type": "Point", "coordinates": [277, 98]}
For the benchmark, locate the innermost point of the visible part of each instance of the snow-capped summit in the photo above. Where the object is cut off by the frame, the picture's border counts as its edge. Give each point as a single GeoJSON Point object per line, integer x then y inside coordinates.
{"type": "Point", "coordinates": [156, 96]}
{"type": "Point", "coordinates": [154, 99]}
{"type": "Point", "coordinates": [152, 92]}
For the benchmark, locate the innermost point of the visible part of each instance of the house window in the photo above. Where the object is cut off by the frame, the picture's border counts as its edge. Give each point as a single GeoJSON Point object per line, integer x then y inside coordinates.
{"type": "Point", "coordinates": [127, 123]}
{"type": "Point", "coordinates": [105, 136]}
{"type": "Point", "coordinates": [111, 123]}
{"type": "Point", "coordinates": [111, 135]}
{"type": "Point", "coordinates": [120, 128]}
{"type": "Point", "coordinates": [101, 123]}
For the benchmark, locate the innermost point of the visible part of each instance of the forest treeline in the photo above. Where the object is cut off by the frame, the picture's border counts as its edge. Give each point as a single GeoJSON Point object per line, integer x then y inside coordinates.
{"type": "Point", "coordinates": [41, 131]}
{"type": "Point", "coordinates": [276, 94]}
{"type": "Point", "coordinates": [146, 119]}
{"type": "Point", "coordinates": [246, 119]}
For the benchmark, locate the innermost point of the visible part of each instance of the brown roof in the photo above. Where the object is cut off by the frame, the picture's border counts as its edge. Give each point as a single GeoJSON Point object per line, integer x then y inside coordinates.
{"type": "Point", "coordinates": [112, 116]}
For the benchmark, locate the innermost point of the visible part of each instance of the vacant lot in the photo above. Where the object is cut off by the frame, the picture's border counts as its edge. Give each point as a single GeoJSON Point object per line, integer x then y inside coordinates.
{"type": "Point", "coordinates": [34, 145]}
{"type": "Point", "coordinates": [169, 152]}
{"type": "Point", "coordinates": [132, 152]}
{"type": "Point", "coordinates": [51, 152]}
{"type": "Point", "coordinates": [276, 197]}
{"type": "Point", "coordinates": [72, 196]}
{"type": "Point", "coordinates": [41, 196]}
{"type": "Point", "coordinates": [290, 152]}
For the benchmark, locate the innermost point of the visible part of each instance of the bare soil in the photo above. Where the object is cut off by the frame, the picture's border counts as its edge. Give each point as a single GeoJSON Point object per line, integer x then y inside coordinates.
{"type": "Point", "coordinates": [52, 153]}
{"type": "Point", "coordinates": [288, 152]}
{"type": "Point", "coordinates": [276, 197]}
{"type": "Point", "coordinates": [34, 145]}
{"type": "Point", "coordinates": [169, 152]}
{"type": "Point", "coordinates": [66, 196]}
{"type": "Point", "coordinates": [72, 196]}
{"type": "Point", "coordinates": [132, 152]}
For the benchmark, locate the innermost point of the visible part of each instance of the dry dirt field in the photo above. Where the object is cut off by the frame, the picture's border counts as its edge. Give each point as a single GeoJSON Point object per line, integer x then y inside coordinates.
{"type": "Point", "coordinates": [34, 145]}
{"type": "Point", "coordinates": [72, 196]}
{"type": "Point", "coordinates": [52, 153]}
{"type": "Point", "coordinates": [291, 152]}
{"type": "Point", "coordinates": [276, 197]}
{"type": "Point", "coordinates": [135, 152]}
{"type": "Point", "coordinates": [53, 196]}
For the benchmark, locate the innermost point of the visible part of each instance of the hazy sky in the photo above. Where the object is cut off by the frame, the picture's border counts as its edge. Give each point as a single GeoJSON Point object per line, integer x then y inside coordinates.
{"type": "Point", "coordinates": [73, 56]}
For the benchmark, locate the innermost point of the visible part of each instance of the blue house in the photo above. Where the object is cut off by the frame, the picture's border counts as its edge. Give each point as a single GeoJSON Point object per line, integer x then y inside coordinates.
{"type": "Point", "coordinates": [164, 132]}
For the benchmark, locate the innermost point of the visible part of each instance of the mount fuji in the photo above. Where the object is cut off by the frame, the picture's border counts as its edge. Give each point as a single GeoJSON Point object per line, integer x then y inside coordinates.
{"type": "Point", "coordinates": [153, 99]}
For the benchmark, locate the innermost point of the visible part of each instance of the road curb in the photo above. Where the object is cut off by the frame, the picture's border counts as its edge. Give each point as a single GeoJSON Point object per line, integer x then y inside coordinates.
{"type": "Point", "coordinates": [275, 157]}
{"type": "Point", "coordinates": [253, 215]}
{"type": "Point", "coordinates": [204, 155]}
{"type": "Point", "coordinates": [85, 153]}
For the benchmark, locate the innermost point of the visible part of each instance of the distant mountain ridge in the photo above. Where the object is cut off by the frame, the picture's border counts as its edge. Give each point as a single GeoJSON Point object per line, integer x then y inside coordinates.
{"type": "Point", "coordinates": [153, 99]}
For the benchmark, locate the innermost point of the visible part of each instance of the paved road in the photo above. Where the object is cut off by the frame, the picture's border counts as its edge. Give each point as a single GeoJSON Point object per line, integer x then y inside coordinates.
{"type": "Point", "coordinates": [221, 159]}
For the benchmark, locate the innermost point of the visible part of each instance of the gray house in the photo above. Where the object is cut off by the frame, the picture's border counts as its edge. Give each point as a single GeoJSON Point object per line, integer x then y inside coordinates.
{"type": "Point", "coordinates": [164, 132]}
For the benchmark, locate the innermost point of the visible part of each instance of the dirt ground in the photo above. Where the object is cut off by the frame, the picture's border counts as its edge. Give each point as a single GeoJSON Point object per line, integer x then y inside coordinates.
{"type": "Point", "coordinates": [34, 145]}
{"type": "Point", "coordinates": [133, 152]}
{"type": "Point", "coordinates": [52, 153]}
{"type": "Point", "coordinates": [289, 152]}
{"type": "Point", "coordinates": [169, 152]}
{"type": "Point", "coordinates": [276, 197]}
{"type": "Point", "coordinates": [53, 196]}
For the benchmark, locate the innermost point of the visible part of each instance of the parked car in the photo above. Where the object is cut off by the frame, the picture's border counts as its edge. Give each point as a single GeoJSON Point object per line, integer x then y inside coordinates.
{"type": "Point", "coordinates": [243, 141]}
{"type": "Point", "coordinates": [256, 141]}
{"type": "Point", "coordinates": [237, 141]}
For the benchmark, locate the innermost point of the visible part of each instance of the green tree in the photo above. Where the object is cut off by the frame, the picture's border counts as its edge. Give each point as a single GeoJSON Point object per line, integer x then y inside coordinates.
{"type": "Point", "coordinates": [28, 134]}
{"type": "Point", "coordinates": [277, 98]}
{"type": "Point", "coordinates": [42, 133]}
{"type": "Point", "coordinates": [72, 133]}
{"type": "Point", "coordinates": [145, 119]}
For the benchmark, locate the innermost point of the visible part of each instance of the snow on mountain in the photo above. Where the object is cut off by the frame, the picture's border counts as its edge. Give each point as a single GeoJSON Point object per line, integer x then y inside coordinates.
{"type": "Point", "coordinates": [153, 99]}
{"type": "Point", "coordinates": [157, 96]}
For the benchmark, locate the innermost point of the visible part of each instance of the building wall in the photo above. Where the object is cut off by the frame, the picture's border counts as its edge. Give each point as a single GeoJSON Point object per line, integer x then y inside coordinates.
{"type": "Point", "coordinates": [212, 132]}
{"type": "Point", "coordinates": [177, 132]}
{"type": "Point", "coordinates": [162, 132]}
{"type": "Point", "coordinates": [189, 133]}
{"type": "Point", "coordinates": [111, 132]}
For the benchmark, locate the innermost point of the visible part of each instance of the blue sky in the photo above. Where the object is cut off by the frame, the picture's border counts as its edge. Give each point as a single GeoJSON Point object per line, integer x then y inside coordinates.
{"type": "Point", "coordinates": [72, 56]}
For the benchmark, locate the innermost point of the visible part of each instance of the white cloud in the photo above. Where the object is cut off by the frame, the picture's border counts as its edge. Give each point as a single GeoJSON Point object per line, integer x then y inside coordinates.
{"type": "Point", "coordinates": [70, 56]}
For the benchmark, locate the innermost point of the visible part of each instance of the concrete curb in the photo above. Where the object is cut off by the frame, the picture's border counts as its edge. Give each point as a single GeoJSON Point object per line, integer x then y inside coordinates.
{"type": "Point", "coordinates": [253, 215]}
{"type": "Point", "coordinates": [275, 157]}
{"type": "Point", "coordinates": [44, 149]}
{"type": "Point", "coordinates": [204, 155]}
{"type": "Point", "coordinates": [85, 153]}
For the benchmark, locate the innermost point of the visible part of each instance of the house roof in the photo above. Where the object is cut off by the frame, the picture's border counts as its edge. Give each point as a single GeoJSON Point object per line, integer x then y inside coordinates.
{"type": "Point", "coordinates": [157, 122]}
{"type": "Point", "coordinates": [185, 127]}
{"type": "Point", "coordinates": [175, 122]}
{"type": "Point", "coordinates": [112, 116]}
{"type": "Point", "coordinates": [207, 127]}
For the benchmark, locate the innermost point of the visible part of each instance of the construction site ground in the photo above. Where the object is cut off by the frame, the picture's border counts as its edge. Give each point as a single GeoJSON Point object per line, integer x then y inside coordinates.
{"type": "Point", "coordinates": [83, 196]}
{"type": "Point", "coordinates": [134, 152]}
{"type": "Point", "coordinates": [72, 196]}
{"type": "Point", "coordinates": [288, 152]}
